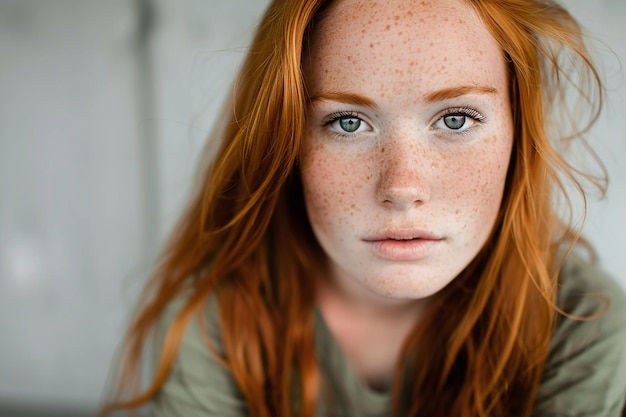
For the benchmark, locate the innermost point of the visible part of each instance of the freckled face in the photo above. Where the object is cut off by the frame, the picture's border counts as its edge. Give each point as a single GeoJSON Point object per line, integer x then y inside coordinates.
{"type": "Point", "coordinates": [408, 143]}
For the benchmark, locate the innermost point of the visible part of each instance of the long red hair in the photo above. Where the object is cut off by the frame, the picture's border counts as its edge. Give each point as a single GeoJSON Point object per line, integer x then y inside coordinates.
{"type": "Point", "coordinates": [245, 237]}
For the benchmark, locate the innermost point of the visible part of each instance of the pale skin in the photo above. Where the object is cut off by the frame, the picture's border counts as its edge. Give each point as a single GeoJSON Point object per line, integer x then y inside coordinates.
{"type": "Point", "coordinates": [407, 148]}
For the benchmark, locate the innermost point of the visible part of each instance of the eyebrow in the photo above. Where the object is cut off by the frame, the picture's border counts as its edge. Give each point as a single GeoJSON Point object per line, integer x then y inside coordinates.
{"type": "Point", "coordinates": [454, 92]}
{"type": "Point", "coordinates": [439, 95]}
{"type": "Point", "coordinates": [348, 98]}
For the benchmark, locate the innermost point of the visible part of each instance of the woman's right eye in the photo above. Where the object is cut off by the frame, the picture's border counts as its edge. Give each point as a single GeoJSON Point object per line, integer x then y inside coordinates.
{"type": "Point", "coordinates": [347, 124]}
{"type": "Point", "coordinates": [350, 125]}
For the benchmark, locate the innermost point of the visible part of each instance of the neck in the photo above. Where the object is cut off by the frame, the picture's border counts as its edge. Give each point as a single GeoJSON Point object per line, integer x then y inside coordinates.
{"type": "Point", "coordinates": [370, 329]}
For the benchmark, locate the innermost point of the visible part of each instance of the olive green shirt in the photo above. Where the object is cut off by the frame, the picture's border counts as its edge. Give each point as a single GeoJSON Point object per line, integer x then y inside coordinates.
{"type": "Point", "coordinates": [585, 374]}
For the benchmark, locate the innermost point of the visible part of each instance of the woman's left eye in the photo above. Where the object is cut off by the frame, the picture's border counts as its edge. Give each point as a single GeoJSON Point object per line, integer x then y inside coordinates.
{"type": "Point", "coordinates": [458, 120]}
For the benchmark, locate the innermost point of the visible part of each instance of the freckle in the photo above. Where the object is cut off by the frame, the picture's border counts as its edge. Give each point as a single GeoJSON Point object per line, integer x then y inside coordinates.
{"type": "Point", "coordinates": [421, 20]}
{"type": "Point", "coordinates": [388, 27]}
{"type": "Point", "coordinates": [457, 211]}
{"type": "Point", "coordinates": [382, 150]}
{"type": "Point", "coordinates": [371, 45]}
{"type": "Point", "coordinates": [396, 17]}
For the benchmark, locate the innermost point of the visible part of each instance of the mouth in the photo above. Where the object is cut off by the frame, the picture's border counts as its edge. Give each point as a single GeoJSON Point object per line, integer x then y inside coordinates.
{"type": "Point", "coordinates": [403, 236]}
{"type": "Point", "coordinates": [404, 245]}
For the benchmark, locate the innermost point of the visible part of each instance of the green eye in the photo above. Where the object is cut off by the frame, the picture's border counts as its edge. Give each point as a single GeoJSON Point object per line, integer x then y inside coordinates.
{"type": "Point", "coordinates": [454, 121]}
{"type": "Point", "coordinates": [346, 124]}
{"type": "Point", "coordinates": [458, 120]}
{"type": "Point", "coordinates": [350, 125]}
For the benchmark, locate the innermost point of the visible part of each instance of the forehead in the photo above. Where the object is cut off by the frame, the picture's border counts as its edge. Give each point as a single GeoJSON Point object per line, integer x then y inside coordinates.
{"type": "Point", "coordinates": [417, 43]}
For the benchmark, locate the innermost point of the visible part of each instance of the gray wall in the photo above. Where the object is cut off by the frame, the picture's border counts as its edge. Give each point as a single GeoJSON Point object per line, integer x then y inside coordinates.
{"type": "Point", "coordinates": [104, 108]}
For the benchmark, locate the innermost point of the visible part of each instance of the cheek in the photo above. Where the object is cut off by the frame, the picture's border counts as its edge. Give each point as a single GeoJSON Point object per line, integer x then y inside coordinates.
{"type": "Point", "coordinates": [476, 179]}
{"type": "Point", "coordinates": [331, 183]}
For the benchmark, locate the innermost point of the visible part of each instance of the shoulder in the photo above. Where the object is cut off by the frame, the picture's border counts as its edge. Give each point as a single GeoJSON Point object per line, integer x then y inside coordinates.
{"type": "Point", "coordinates": [583, 287]}
{"type": "Point", "coordinates": [198, 384]}
{"type": "Point", "coordinates": [585, 374]}
{"type": "Point", "coordinates": [595, 306]}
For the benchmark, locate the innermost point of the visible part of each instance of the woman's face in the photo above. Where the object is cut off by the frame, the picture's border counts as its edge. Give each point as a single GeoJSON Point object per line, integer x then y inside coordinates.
{"type": "Point", "coordinates": [408, 143]}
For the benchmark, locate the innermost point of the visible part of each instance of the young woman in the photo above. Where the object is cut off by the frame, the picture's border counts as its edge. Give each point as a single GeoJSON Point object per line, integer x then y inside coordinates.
{"type": "Point", "coordinates": [377, 233]}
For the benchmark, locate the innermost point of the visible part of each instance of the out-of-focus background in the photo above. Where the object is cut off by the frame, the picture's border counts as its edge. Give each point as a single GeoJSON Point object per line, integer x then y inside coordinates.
{"type": "Point", "coordinates": [104, 109]}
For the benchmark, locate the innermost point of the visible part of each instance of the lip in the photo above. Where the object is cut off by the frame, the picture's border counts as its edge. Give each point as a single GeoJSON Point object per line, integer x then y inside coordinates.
{"type": "Point", "coordinates": [403, 245]}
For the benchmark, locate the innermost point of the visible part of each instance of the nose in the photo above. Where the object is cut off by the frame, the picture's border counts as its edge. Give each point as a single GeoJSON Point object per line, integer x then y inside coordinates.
{"type": "Point", "coordinates": [403, 176]}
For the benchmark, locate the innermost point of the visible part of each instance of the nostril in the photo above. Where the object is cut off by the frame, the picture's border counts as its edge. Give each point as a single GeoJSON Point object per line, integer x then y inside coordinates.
{"type": "Point", "coordinates": [403, 199]}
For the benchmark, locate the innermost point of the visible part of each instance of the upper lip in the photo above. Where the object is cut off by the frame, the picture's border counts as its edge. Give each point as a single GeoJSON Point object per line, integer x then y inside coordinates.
{"type": "Point", "coordinates": [408, 234]}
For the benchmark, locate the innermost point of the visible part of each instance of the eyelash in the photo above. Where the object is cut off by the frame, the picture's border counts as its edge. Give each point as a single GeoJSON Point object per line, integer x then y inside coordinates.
{"type": "Point", "coordinates": [473, 114]}
{"type": "Point", "coordinates": [340, 114]}
{"type": "Point", "coordinates": [332, 118]}
{"type": "Point", "coordinates": [464, 111]}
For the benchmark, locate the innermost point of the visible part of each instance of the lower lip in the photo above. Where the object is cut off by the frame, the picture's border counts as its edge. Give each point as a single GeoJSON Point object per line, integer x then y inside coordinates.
{"type": "Point", "coordinates": [404, 250]}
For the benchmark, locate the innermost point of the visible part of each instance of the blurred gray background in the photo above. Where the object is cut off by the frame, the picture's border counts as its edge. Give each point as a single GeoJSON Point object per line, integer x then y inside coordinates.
{"type": "Point", "coordinates": [104, 109]}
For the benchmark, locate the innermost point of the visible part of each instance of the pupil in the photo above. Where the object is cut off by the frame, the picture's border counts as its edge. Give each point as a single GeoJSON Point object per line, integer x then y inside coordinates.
{"type": "Point", "coordinates": [454, 121]}
{"type": "Point", "coordinates": [350, 125]}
